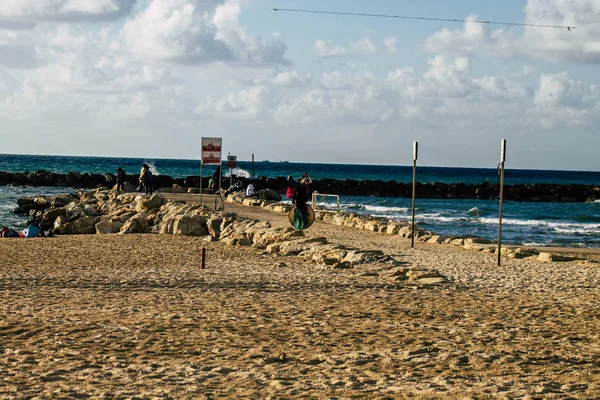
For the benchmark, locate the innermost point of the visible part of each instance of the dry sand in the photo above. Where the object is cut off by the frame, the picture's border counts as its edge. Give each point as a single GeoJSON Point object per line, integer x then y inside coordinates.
{"type": "Point", "coordinates": [135, 316]}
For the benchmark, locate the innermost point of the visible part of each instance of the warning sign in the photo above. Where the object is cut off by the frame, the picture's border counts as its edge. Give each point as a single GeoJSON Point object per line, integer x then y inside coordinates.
{"type": "Point", "coordinates": [231, 161]}
{"type": "Point", "coordinates": [211, 151]}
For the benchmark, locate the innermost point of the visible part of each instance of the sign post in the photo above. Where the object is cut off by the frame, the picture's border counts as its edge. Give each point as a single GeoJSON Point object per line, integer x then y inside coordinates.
{"type": "Point", "coordinates": [502, 159]}
{"type": "Point", "coordinates": [414, 182]}
{"type": "Point", "coordinates": [210, 155]}
{"type": "Point", "coordinates": [231, 164]}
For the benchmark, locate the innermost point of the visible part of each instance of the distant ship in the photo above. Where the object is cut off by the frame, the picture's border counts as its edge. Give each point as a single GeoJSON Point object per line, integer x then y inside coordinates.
{"type": "Point", "coordinates": [284, 161]}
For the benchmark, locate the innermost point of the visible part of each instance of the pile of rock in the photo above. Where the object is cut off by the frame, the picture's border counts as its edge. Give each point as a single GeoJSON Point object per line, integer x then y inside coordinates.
{"type": "Point", "coordinates": [289, 242]}
{"type": "Point", "coordinates": [105, 212]}
{"type": "Point", "coordinates": [401, 228]}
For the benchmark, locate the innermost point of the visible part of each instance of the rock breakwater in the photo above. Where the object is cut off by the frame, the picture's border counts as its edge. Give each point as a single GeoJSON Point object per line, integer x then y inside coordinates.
{"type": "Point", "coordinates": [530, 192]}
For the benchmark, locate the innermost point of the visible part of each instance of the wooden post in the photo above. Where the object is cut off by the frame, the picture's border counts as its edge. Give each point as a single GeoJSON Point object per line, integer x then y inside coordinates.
{"type": "Point", "coordinates": [200, 178]}
{"type": "Point", "coordinates": [502, 159]}
{"type": "Point", "coordinates": [203, 258]}
{"type": "Point", "coordinates": [414, 183]}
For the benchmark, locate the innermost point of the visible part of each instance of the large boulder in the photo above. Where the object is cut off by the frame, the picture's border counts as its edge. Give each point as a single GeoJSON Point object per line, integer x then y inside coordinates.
{"type": "Point", "coordinates": [61, 201]}
{"type": "Point", "coordinates": [108, 227]}
{"type": "Point", "coordinates": [90, 210]}
{"type": "Point", "coordinates": [73, 178]}
{"type": "Point", "coordinates": [81, 226]}
{"type": "Point", "coordinates": [127, 187]}
{"type": "Point", "coordinates": [149, 203]}
{"type": "Point", "coordinates": [136, 224]}
{"type": "Point", "coordinates": [269, 194]}
{"type": "Point", "coordinates": [51, 214]}
{"type": "Point", "coordinates": [37, 203]}
{"type": "Point", "coordinates": [214, 226]}
{"type": "Point", "coordinates": [186, 224]}
{"type": "Point", "coordinates": [74, 210]}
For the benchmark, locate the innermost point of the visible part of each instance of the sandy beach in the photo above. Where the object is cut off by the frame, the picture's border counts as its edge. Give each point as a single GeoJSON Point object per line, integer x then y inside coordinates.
{"type": "Point", "coordinates": [124, 316]}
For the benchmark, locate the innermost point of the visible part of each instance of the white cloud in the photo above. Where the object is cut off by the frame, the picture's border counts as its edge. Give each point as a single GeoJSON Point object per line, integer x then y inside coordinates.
{"type": "Point", "coordinates": [580, 45]}
{"type": "Point", "coordinates": [337, 80]}
{"type": "Point", "coordinates": [363, 46]}
{"type": "Point", "coordinates": [391, 44]}
{"type": "Point", "coordinates": [291, 79]}
{"type": "Point", "coordinates": [198, 32]}
{"type": "Point", "coordinates": [326, 48]}
{"type": "Point", "coordinates": [34, 11]}
{"type": "Point", "coordinates": [559, 90]}
{"type": "Point", "coordinates": [248, 104]}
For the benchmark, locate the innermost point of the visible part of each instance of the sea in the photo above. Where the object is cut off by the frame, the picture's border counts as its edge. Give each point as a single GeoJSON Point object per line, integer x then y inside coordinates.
{"type": "Point", "coordinates": [528, 224]}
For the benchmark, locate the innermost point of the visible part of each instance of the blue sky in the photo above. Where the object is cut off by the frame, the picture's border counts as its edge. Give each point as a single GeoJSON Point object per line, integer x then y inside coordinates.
{"type": "Point", "coordinates": [149, 78]}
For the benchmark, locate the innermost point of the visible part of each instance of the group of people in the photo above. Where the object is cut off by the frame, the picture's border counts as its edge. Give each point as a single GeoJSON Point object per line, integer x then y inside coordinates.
{"type": "Point", "coordinates": [144, 181]}
{"type": "Point", "coordinates": [299, 191]}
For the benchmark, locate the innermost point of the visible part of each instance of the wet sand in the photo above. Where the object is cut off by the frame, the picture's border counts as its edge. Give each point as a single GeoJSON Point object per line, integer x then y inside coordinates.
{"type": "Point", "coordinates": [136, 316]}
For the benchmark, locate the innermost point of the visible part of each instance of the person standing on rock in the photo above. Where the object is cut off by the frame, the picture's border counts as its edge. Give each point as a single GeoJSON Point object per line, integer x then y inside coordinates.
{"type": "Point", "coordinates": [141, 178]}
{"type": "Point", "coordinates": [217, 177]}
{"type": "Point", "coordinates": [306, 181]}
{"type": "Point", "coordinates": [120, 179]}
{"type": "Point", "coordinates": [146, 178]}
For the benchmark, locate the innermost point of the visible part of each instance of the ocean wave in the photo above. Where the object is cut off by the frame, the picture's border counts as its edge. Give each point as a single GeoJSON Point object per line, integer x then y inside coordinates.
{"type": "Point", "coordinates": [241, 173]}
{"type": "Point", "coordinates": [558, 227]}
{"type": "Point", "coordinates": [578, 231]}
{"type": "Point", "coordinates": [370, 209]}
{"type": "Point", "coordinates": [475, 211]}
{"type": "Point", "coordinates": [587, 218]}
{"type": "Point", "coordinates": [386, 209]}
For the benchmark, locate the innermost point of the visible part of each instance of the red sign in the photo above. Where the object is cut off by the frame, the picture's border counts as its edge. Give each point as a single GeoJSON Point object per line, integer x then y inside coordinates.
{"type": "Point", "coordinates": [211, 151]}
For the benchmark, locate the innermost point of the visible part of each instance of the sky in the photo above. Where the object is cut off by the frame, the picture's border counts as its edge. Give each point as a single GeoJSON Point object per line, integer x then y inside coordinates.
{"type": "Point", "coordinates": [150, 78]}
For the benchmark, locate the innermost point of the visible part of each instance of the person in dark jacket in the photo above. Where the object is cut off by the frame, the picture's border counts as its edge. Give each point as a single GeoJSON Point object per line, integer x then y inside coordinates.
{"type": "Point", "coordinates": [147, 178]}
{"type": "Point", "coordinates": [217, 177]}
{"type": "Point", "coordinates": [120, 179]}
{"type": "Point", "coordinates": [298, 193]}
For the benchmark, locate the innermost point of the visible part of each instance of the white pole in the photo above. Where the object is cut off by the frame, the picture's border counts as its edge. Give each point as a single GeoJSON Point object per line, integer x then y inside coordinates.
{"type": "Point", "coordinates": [502, 159]}
{"type": "Point", "coordinates": [412, 226]}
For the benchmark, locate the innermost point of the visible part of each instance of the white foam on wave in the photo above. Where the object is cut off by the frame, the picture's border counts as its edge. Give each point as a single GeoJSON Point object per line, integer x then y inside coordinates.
{"type": "Point", "coordinates": [383, 209]}
{"type": "Point", "coordinates": [558, 227]}
{"type": "Point", "coordinates": [153, 168]}
{"type": "Point", "coordinates": [475, 211]}
{"type": "Point", "coordinates": [578, 231]}
{"type": "Point", "coordinates": [241, 173]}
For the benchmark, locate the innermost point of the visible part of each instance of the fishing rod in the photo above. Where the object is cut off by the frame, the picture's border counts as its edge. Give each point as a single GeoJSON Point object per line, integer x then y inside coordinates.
{"type": "Point", "coordinates": [569, 28]}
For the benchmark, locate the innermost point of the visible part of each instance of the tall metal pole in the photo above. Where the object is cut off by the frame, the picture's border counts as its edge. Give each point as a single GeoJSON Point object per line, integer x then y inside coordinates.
{"type": "Point", "coordinates": [414, 182]}
{"type": "Point", "coordinates": [200, 177]}
{"type": "Point", "coordinates": [502, 159]}
{"type": "Point", "coordinates": [253, 165]}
